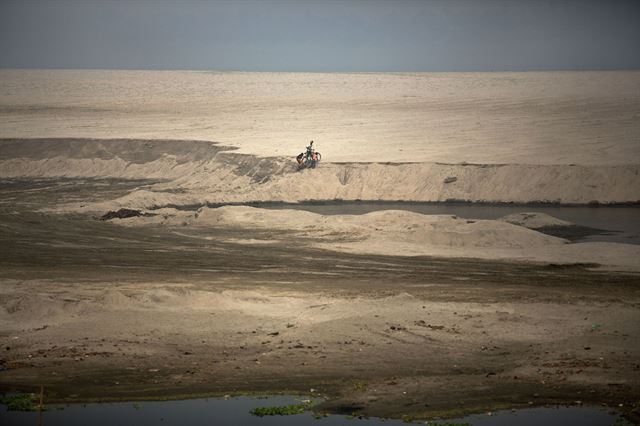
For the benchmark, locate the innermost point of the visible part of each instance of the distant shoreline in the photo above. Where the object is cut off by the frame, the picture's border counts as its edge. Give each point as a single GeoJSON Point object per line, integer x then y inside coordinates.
{"type": "Point", "coordinates": [239, 71]}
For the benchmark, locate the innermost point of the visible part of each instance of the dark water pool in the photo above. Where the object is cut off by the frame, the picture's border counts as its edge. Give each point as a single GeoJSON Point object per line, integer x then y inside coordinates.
{"type": "Point", "coordinates": [619, 224]}
{"type": "Point", "coordinates": [236, 411]}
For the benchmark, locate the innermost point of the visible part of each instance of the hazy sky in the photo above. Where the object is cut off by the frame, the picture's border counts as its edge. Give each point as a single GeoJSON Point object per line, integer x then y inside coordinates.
{"type": "Point", "coordinates": [321, 35]}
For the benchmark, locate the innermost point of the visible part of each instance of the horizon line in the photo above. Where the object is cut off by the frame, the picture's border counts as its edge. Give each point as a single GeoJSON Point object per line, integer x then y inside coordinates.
{"type": "Point", "coordinates": [2, 68]}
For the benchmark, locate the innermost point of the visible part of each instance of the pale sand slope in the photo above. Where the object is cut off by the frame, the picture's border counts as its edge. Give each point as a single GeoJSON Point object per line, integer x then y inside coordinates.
{"type": "Point", "coordinates": [202, 172]}
{"type": "Point", "coordinates": [277, 180]}
{"type": "Point", "coordinates": [398, 232]}
{"type": "Point", "coordinates": [100, 158]}
{"type": "Point", "coordinates": [527, 117]}
{"type": "Point", "coordinates": [407, 182]}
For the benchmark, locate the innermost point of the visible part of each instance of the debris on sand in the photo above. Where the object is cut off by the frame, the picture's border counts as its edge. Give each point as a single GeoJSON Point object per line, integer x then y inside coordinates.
{"type": "Point", "coordinates": [422, 323]}
{"type": "Point", "coordinates": [121, 214]}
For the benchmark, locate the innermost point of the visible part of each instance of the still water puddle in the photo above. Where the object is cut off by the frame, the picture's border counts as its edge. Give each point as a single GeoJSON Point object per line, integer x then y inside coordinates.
{"type": "Point", "coordinates": [237, 411]}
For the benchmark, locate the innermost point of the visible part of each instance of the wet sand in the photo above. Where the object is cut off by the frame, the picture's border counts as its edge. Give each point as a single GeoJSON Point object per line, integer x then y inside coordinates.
{"type": "Point", "coordinates": [94, 310]}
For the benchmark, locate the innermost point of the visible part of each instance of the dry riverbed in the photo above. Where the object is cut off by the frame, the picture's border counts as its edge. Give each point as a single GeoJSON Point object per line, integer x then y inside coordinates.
{"type": "Point", "coordinates": [95, 310]}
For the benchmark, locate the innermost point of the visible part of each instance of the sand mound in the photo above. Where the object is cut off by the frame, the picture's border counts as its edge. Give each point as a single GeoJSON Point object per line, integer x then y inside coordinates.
{"type": "Point", "coordinates": [34, 309]}
{"type": "Point", "coordinates": [388, 225]}
{"type": "Point", "coordinates": [251, 217]}
{"type": "Point", "coordinates": [41, 311]}
{"type": "Point", "coordinates": [103, 158]}
{"type": "Point", "coordinates": [406, 230]}
{"type": "Point", "coordinates": [392, 225]}
{"type": "Point", "coordinates": [534, 220]}
{"type": "Point", "coordinates": [399, 232]}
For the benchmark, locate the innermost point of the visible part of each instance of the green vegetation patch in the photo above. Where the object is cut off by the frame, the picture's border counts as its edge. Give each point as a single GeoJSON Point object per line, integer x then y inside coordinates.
{"type": "Point", "coordinates": [21, 402]}
{"type": "Point", "coordinates": [620, 421]}
{"type": "Point", "coordinates": [285, 410]}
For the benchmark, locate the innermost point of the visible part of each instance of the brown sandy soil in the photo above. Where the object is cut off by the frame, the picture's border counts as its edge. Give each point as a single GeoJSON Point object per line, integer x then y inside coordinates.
{"type": "Point", "coordinates": [390, 349]}
{"type": "Point", "coordinates": [95, 310]}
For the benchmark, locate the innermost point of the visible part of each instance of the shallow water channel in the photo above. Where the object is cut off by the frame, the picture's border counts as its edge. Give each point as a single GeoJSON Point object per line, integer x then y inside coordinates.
{"type": "Point", "coordinates": [620, 224]}
{"type": "Point", "coordinates": [237, 411]}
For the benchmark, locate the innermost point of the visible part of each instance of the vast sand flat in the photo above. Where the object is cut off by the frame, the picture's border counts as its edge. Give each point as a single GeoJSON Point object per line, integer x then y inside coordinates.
{"type": "Point", "coordinates": [527, 118]}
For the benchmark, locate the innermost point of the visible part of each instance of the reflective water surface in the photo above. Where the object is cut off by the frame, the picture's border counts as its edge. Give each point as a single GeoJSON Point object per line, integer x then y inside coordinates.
{"type": "Point", "coordinates": [236, 411]}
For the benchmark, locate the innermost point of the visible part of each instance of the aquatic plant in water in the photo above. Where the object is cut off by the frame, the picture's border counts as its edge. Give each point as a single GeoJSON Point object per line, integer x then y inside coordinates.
{"type": "Point", "coordinates": [286, 410]}
{"type": "Point", "coordinates": [21, 402]}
